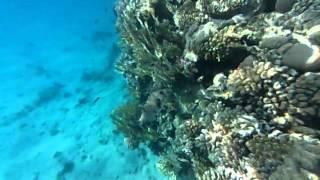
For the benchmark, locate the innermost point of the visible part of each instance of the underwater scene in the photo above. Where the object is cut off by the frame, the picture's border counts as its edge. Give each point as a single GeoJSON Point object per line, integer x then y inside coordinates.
{"type": "Point", "coordinates": [58, 89]}
{"type": "Point", "coordinates": [160, 90]}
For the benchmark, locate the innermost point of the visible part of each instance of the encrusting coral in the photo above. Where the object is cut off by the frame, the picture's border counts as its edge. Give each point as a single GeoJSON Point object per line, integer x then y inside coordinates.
{"type": "Point", "coordinates": [223, 89]}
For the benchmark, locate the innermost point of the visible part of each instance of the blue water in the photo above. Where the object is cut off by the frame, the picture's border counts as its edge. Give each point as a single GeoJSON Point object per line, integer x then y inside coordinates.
{"type": "Point", "coordinates": [58, 87]}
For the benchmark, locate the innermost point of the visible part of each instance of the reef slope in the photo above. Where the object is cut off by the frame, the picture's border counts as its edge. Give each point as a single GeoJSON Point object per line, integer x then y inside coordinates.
{"type": "Point", "coordinates": [223, 89]}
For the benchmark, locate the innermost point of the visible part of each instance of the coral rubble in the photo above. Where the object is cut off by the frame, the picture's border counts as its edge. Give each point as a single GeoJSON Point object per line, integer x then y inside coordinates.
{"type": "Point", "coordinates": [223, 89]}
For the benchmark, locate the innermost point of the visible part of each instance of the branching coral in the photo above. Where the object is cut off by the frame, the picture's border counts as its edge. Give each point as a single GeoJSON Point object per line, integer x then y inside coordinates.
{"type": "Point", "coordinates": [126, 120]}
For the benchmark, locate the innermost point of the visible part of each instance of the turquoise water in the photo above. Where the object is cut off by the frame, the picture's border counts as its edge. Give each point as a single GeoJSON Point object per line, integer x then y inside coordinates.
{"type": "Point", "coordinates": [58, 87]}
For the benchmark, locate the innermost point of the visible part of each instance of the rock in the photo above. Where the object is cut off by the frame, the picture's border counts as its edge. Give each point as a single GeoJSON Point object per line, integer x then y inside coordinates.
{"type": "Point", "coordinates": [315, 38]}
{"type": "Point", "coordinates": [219, 80]}
{"type": "Point", "coordinates": [273, 42]}
{"type": "Point", "coordinates": [280, 120]}
{"type": "Point", "coordinates": [248, 61]}
{"type": "Point", "coordinates": [314, 35]}
{"type": "Point", "coordinates": [284, 48]}
{"type": "Point", "coordinates": [302, 57]}
{"type": "Point", "coordinates": [283, 6]}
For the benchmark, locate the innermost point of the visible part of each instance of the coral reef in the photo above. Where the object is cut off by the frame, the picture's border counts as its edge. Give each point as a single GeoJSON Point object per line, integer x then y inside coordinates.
{"type": "Point", "coordinates": [223, 89]}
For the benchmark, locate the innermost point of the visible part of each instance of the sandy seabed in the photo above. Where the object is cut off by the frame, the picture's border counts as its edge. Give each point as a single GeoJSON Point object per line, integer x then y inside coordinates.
{"type": "Point", "coordinates": [58, 87]}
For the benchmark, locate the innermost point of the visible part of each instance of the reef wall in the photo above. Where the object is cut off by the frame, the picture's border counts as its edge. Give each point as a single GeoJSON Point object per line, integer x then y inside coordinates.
{"type": "Point", "coordinates": [223, 89]}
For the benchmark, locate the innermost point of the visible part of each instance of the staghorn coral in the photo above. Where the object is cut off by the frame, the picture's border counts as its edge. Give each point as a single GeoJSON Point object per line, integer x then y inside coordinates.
{"type": "Point", "coordinates": [126, 120]}
{"type": "Point", "coordinates": [218, 90]}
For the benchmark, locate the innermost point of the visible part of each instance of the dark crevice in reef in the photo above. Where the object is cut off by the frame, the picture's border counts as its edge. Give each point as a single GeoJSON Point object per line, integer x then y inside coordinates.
{"type": "Point", "coordinates": [248, 41]}
{"type": "Point", "coordinates": [209, 68]}
{"type": "Point", "coordinates": [236, 57]}
{"type": "Point", "coordinates": [185, 89]}
{"type": "Point", "coordinates": [206, 69]}
{"type": "Point", "coordinates": [269, 5]}
{"type": "Point", "coordinates": [161, 11]}
{"type": "Point", "coordinates": [183, 83]}
{"type": "Point", "coordinates": [227, 15]}
{"type": "Point", "coordinates": [145, 84]}
{"type": "Point", "coordinates": [311, 122]}
{"type": "Point", "coordinates": [151, 23]}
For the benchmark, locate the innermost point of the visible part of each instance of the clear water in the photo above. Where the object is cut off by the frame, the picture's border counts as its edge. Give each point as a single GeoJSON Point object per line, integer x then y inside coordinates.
{"type": "Point", "coordinates": [58, 87]}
